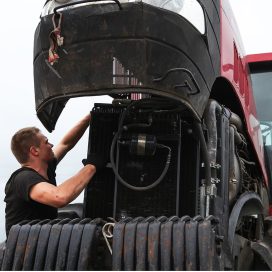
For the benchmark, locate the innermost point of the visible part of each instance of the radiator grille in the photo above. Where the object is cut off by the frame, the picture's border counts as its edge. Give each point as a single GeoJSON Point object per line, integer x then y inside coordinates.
{"type": "Point", "coordinates": [105, 196]}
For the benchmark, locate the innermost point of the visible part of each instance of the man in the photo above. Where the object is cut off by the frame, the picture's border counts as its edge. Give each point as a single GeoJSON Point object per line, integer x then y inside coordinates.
{"type": "Point", "coordinates": [31, 192]}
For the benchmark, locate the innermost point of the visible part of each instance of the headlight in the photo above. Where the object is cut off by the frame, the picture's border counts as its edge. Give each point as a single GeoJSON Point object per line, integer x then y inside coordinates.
{"type": "Point", "coordinates": [189, 9]}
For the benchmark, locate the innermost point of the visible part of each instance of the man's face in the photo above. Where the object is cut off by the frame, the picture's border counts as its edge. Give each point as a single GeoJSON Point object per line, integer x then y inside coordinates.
{"type": "Point", "coordinates": [45, 148]}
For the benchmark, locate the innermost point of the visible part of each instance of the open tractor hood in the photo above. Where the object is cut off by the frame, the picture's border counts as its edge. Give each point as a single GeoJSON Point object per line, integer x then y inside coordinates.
{"type": "Point", "coordinates": [115, 48]}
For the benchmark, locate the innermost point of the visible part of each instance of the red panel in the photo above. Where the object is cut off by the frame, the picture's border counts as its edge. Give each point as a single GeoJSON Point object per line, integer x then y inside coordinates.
{"type": "Point", "coordinates": [259, 57]}
{"type": "Point", "coordinates": [234, 69]}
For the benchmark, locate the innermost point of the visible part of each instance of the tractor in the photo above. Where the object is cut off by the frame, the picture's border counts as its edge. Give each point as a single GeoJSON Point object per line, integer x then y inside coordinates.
{"type": "Point", "coordinates": [188, 136]}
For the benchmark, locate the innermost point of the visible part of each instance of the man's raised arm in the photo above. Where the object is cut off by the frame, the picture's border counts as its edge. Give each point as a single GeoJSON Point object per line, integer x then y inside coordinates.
{"type": "Point", "coordinates": [71, 138]}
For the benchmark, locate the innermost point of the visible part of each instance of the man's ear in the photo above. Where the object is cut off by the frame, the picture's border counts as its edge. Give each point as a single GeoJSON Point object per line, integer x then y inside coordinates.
{"type": "Point", "coordinates": [34, 150]}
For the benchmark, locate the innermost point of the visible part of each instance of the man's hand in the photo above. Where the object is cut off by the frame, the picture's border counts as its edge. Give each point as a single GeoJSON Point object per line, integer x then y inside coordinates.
{"type": "Point", "coordinates": [98, 160]}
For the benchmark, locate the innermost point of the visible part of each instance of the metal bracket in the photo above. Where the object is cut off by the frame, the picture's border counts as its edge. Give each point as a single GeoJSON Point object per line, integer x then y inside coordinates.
{"type": "Point", "coordinates": [215, 165]}
{"type": "Point", "coordinates": [215, 180]}
{"type": "Point", "coordinates": [211, 190]}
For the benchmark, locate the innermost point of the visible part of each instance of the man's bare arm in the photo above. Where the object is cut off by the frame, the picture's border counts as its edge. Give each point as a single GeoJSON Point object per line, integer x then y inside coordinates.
{"type": "Point", "coordinates": [60, 196]}
{"type": "Point", "coordinates": [71, 138]}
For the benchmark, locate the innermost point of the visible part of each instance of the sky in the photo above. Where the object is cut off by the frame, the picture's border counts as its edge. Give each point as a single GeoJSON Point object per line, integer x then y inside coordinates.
{"type": "Point", "coordinates": [17, 26]}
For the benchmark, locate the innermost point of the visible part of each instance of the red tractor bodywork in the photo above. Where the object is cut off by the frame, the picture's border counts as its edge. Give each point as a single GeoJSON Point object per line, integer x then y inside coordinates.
{"type": "Point", "coordinates": [234, 68]}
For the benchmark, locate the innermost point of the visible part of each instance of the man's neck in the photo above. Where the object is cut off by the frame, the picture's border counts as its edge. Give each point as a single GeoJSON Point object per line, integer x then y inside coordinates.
{"type": "Point", "coordinates": [38, 166]}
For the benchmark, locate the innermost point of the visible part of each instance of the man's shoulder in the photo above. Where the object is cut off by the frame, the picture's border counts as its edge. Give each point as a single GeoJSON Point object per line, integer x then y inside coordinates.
{"type": "Point", "coordinates": [17, 176]}
{"type": "Point", "coordinates": [19, 172]}
{"type": "Point", "coordinates": [21, 181]}
{"type": "Point", "coordinates": [22, 172]}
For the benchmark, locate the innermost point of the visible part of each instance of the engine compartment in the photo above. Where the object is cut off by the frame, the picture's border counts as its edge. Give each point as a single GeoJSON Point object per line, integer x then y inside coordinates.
{"type": "Point", "coordinates": [155, 145]}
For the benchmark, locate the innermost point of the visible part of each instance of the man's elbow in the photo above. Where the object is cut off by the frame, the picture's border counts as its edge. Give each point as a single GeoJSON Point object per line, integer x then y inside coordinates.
{"type": "Point", "coordinates": [61, 201]}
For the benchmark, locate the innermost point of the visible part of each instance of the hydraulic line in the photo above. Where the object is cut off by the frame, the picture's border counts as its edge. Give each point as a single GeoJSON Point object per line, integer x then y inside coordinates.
{"type": "Point", "coordinates": [154, 103]}
{"type": "Point", "coordinates": [206, 159]}
{"type": "Point", "coordinates": [136, 188]}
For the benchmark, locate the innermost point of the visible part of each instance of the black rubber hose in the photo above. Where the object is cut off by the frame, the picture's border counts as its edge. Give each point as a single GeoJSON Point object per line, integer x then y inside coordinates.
{"type": "Point", "coordinates": [142, 102]}
{"type": "Point", "coordinates": [205, 154]}
{"type": "Point", "coordinates": [135, 188]}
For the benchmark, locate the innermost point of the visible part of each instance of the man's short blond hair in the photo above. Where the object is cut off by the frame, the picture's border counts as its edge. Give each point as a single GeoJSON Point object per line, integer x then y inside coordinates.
{"type": "Point", "coordinates": [21, 142]}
